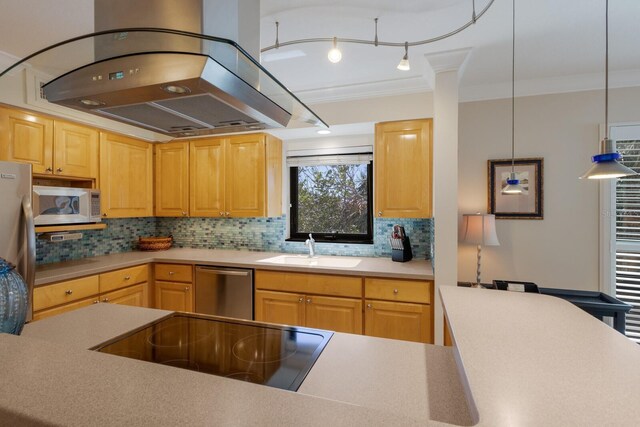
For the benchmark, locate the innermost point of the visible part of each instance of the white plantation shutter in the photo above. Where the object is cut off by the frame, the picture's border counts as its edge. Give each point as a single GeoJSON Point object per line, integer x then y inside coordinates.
{"type": "Point", "coordinates": [627, 230]}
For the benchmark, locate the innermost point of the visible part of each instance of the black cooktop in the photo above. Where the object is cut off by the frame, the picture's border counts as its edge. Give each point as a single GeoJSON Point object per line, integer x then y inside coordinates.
{"type": "Point", "coordinates": [263, 354]}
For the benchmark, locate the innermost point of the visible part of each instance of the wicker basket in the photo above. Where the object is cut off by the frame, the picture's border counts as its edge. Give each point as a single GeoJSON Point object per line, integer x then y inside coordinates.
{"type": "Point", "coordinates": [154, 243]}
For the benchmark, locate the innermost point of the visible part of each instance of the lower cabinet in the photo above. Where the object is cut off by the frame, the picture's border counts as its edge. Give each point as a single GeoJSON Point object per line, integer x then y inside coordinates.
{"type": "Point", "coordinates": [312, 311]}
{"type": "Point", "coordinates": [42, 314]}
{"type": "Point", "coordinates": [402, 321]}
{"type": "Point", "coordinates": [136, 295]}
{"type": "Point", "coordinates": [173, 296]}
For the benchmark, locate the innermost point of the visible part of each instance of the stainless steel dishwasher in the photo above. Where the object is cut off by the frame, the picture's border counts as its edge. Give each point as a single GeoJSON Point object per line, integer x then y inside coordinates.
{"type": "Point", "coordinates": [223, 291]}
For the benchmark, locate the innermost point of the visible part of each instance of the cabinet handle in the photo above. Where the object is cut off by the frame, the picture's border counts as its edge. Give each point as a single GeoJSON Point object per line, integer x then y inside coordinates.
{"type": "Point", "coordinates": [300, 299]}
{"type": "Point", "coordinates": [369, 306]}
{"type": "Point", "coordinates": [105, 300]}
{"type": "Point", "coordinates": [308, 300]}
{"type": "Point", "coordinates": [171, 273]}
{"type": "Point", "coordinates": [96, 301]}
{"type": "Point", "coordinates": [379, 213]}
{"type": "Point", "coordinates": [184, 213]}
{"type": "Point", "coordinates": [49, 169]}
{"type": "Point", "coordinates": [104, 214]}
{"type": "Point", "coordinates": [227, 214]}
{"type": "Point", "coordinates": [127, 277]}
{"type": "Point", "coordinates": [395, 291]}
{"type": "Point", "coordinates": [68, 292]}
{"type": "Point", "coordinates": [59, 170]}
{"type": "Point", "coordinates": [186, 289]}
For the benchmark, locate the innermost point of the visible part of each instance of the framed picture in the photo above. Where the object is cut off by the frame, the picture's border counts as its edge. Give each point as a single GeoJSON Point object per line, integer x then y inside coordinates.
{"type": "Point", "coordinates": [528, 204]}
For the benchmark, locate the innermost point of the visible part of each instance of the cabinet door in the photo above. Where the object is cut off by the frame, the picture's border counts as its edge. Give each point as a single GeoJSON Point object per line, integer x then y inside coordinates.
{"type": "Point", "coordinates": [174, 296]}
{"type": "Point", "coordinates": [136, 295]}
{"type": "Point", "coordinates": [335, 314]}
{"type": "Point", "coordinates": [207, 177]}
{"type": "Point", "coordinates": [38, 315]}
{"type": "Point", "coordinates": [280, 307]}
{"type": "Point", "coordinates": [172, 179]}
{"type": "Point", "coordinates": [26, 138]}
{"type": "Point", "coordinates": [75, 150]}
{"type": "Point", "coordinates": [402, 321]}
{"type": "Point", "coordinates": [245, 176]}
{"type": "Point", "coordinates": [125, 177]}
{"type": "Point", "coordinates": [403, 169]}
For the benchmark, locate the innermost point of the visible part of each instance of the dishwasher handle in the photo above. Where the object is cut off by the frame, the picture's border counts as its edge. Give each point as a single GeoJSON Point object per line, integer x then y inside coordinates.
{"type": "Point", "coordinates": [223, 272]}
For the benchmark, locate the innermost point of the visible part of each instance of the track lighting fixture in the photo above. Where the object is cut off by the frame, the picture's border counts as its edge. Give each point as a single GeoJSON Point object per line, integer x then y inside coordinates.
{"type": "Point", "coordinates": [404, 62]}
{"type": "Point", "coordinates": [334, 54]}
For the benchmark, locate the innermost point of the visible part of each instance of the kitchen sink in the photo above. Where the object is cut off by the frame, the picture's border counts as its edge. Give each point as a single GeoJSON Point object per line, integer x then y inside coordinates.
{"type": "Point", "coordinates": [320, 261]}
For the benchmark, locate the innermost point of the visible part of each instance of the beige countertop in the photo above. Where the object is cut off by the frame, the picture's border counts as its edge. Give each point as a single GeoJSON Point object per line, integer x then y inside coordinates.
{"type": "Point", "coordinates": [537, 360]}
{"type": "Point", "coordinates": [48, 375]}
{"type": "Point", "coordinates": [379, 267]}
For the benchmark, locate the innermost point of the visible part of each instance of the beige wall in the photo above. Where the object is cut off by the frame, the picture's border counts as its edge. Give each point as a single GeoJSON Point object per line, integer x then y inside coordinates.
{"type": "Point", "coordinates": [561, 250]}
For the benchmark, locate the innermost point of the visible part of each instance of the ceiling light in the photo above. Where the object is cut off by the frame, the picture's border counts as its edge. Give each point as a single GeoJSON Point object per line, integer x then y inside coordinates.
{"type": "Point", "coordinates": [513, 183]}
{"type": "Point", "coordinates": [91, 102]}
{"type": "Point", "coordinates": [605, 164]}
{"type": "Point", "coordinates": [334, 54]}
{"type": "Point", "coordinates": [175, 89]}
{"type": "Point", "coordinates": [324, 132]}
{"type": "Point", "coordinates": [404, 62]}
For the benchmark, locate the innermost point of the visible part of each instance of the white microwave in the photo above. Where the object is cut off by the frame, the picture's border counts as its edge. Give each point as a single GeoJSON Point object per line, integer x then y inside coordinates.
{"type": "Point", "coordinates": [63, 205]}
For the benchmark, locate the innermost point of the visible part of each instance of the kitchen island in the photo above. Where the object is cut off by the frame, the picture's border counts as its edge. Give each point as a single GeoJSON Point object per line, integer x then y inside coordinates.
{"type": "Point", "coordinates": [526, 360]}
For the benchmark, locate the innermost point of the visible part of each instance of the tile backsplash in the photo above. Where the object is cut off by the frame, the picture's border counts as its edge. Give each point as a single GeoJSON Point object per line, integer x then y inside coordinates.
{"type": "Point", "coordinates": [253, 234]}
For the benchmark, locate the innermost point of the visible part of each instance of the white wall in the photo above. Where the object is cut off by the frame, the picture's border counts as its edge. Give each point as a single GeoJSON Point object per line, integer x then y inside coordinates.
{"type": "Point", "coordinates": [562, 249]}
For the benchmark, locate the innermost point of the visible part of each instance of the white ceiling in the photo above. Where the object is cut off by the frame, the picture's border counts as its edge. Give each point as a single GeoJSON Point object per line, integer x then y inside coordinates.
{"type": "Point", "coordinates": [560, 44]}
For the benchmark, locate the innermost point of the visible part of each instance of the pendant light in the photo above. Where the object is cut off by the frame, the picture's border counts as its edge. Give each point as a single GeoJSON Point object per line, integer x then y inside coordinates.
{"type": "Point", "coordinates": [404, 62]}
{"type": "Point", "coordinates": [334, 54]}
{"type": "Point", "coordinates": [605, 164]}
{"type": "Point", "coordinates": [513, 183]}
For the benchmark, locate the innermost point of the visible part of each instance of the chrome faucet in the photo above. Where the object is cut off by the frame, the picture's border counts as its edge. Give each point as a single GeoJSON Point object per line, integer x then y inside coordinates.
{"type": "Point", "coordinates": [312, 246]}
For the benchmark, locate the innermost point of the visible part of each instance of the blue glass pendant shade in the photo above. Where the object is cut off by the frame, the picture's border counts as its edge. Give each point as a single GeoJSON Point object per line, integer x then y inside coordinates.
{"type": "Point", "coordinates": [13, 299]}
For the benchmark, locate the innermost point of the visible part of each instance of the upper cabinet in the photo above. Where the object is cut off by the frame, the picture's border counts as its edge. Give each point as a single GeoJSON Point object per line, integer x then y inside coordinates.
{"type": "Point", "coordinates": [236, 176]}
{"type": "Point", "coordinates": [403, 169]}
{"type": "Point", "coordinates": [52, 147]}
{"type": "Point", "coordinates": [172, 179]}
{"type": "Point", "coordinates": [126, 176]}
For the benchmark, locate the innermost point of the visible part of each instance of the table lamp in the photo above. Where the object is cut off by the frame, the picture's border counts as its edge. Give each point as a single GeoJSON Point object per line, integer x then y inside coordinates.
{"type": "Point", "coordinates": [479, 229]}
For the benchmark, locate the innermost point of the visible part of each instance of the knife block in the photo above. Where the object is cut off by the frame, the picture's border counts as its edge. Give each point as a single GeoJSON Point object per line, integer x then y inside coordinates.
{"type": "Point", "coordinates": [401, 250]}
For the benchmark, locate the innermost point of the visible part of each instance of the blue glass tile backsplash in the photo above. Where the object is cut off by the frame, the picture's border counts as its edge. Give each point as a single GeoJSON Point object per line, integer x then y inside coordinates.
{"type": "Point", "coordinates": [253, 234]}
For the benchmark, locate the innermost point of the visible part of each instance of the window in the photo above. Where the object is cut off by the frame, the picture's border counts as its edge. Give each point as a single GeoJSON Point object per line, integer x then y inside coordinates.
{"type": "Point", "coordinates": [627, 236]}
{"type": "Point", "coordinates": [331, 197]}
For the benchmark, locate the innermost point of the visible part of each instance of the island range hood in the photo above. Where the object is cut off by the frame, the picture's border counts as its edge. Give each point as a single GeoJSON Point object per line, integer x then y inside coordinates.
{"type": "Point", "coordinates": [154, 67]}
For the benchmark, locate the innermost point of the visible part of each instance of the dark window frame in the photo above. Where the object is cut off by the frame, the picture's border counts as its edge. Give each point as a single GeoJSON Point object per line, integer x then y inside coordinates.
{"type": "Point", "coordinates": [298, 236]}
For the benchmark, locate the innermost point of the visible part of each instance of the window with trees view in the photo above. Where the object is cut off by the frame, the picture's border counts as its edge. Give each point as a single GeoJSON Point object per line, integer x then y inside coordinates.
{"type": "Point", "coordinates": [334, 202]}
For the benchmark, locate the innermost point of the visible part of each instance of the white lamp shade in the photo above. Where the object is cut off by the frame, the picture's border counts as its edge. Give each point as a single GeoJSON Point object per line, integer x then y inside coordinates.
{"type": "Point", "coordinates": [479, 229]}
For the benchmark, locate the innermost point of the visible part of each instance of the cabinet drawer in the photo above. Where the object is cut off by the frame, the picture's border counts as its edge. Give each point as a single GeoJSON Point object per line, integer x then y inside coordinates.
{"type": "Point", "coordinates": [122, 278]}
{"type": "Point", "coordinates": [64, 292]}
{"type": "Point", "coordinates": [42, 314]}
{"type": "Point", "coordinates": [398, 290]}
{"type": "Point", "coordinates": [174, 272]}
{"type": "Point", "coordinates": [309, 283]}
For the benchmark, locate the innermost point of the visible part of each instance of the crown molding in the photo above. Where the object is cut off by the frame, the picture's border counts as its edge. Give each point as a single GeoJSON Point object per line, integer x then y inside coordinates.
{"type": "Point", "coordinates": [375, 89]}
{"type": "Point", "coordinates": [7, 60]}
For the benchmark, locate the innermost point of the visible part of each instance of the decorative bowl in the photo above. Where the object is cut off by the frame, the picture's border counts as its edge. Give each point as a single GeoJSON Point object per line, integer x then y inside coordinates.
{"type": "Point", "coordinates": [154, 243]}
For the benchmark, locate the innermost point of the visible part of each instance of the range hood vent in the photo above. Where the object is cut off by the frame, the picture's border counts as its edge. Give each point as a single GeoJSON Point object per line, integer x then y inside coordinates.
{"type": "Point", "coordinates": [172, 81]}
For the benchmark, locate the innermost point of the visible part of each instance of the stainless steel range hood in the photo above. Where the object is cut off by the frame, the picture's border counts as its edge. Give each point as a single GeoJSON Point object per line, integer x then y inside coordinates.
{"type": "Point", "coordinates": [171, 78]}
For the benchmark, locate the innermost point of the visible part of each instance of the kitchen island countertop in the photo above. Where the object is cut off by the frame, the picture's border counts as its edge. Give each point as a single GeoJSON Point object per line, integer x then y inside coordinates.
{"type": "Point", "coordinates": [369, 266]}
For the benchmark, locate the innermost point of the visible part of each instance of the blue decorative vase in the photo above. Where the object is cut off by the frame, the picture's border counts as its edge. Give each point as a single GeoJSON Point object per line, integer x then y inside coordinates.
{"type": "Point", "coordinates": [13, 299]}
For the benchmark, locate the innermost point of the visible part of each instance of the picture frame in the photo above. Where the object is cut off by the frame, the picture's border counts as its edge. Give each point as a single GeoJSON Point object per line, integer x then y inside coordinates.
{"type": "Point", "coordinates": [528, 205]}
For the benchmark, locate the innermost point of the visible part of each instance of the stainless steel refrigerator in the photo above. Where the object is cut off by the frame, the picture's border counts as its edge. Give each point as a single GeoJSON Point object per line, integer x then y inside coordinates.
{"type": "Point", "coordinates": [17, 232]}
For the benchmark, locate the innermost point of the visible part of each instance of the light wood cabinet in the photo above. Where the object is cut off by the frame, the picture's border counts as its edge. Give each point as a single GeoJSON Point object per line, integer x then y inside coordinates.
{"type": "Point", "coordinates": [173, 296]}
{"type": "Point", "coordinates": [312, 300]}
{"type": "Point", "coordinates": [207, 175]}
{"type": "Point", "coordinates": [124, 277]}
{"type": "Point", "coordinates": [403, 321]}
{"type": "Point", "coordinates": [172, 179]}
{"type": "Point", "coordinates": [236, 176]}
{"type": "Point", "coordinates": [75, 150]}
{"type": "Point", "coordinates": [136, 295]}
{"type": "Point", "coordinates": [398, 309]}
{"type": "Point", "coordinates": [403, 169]}
{"type": "Point", "coordinates": [42, 314]}
{"type": "Point", "coordinates": [64, 292]}
{"type": "Point", "coordinates": [126, 179]}
{"type": "Point", "coordinates": [26, 138]}
{"type": "Point", "coordinates": [173, 288]}
{"type": "Point", "coordinates": [280, 307]}
{"type": "Point", "coordinates": [52, 147]}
